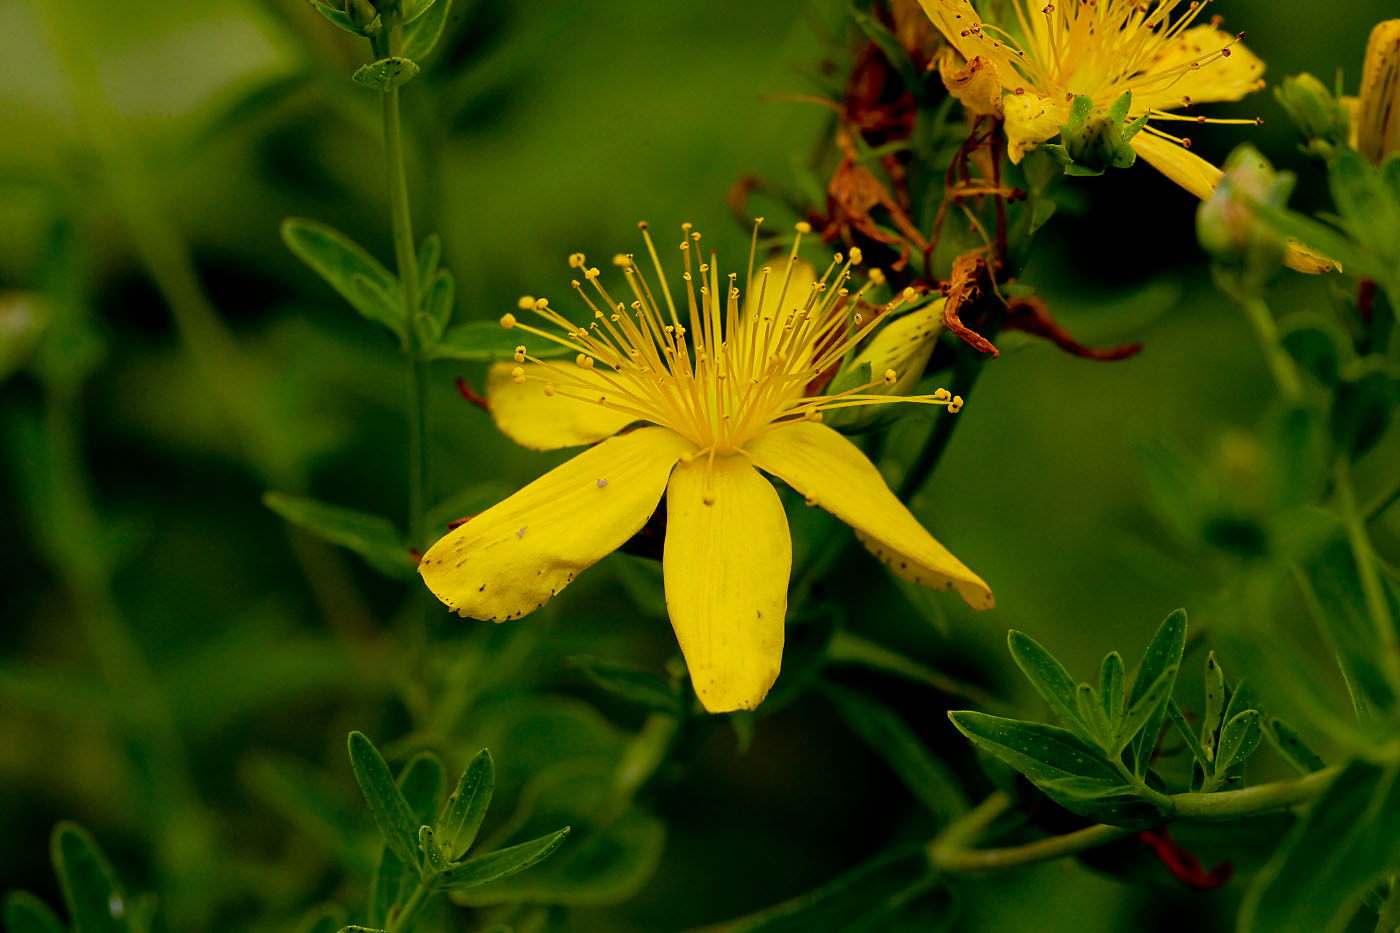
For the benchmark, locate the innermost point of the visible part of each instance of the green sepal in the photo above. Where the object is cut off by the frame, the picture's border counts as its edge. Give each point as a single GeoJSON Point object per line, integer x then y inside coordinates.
{"type": "Point", "coordinates": [25, 913]}
{"type": "Point", "coordinates": [339, 260]}
{"type": "Point", "coordinates": [94, 897]}
{"type": "Point", "coordinates": [392, 814]}
{"type": "Point", "coordinates": [421, 36]}
{"type": "Point", "coordinates": [387, 73]}
{"type": "Point", "coordinates": [485, 869]}
{"type": "Point", "coordinates": [466, 808]}
{"type": "Point", "coordinates": [373, 537]}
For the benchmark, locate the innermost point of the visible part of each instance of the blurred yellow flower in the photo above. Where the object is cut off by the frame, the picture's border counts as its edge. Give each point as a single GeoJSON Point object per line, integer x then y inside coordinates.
{"type": "Point", "coordinates": [722, 389]}
{"type": "Point", "coordinates": [1066, 48]}
{"type": "Point", "coordinates": [1377, 130]}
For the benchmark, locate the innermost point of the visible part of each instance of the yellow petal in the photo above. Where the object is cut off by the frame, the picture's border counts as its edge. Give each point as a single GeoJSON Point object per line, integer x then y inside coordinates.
{"type": "Point", "coordinates": [975, 83]}
{"type": "Point", "coordinates": [726, 567]}
{"type": "Point", "coordinates": [1030, 120]}
{"type": "Point", "coordinates": [1199, 177]}
{"type": "Point", "coordinates": [953, 17]}
{"type": "Point", "coordinates": [512, 558]}
{"type": "Point", "coordinates": [1378, 117]}
{"type": "Point", "coordinates": [528, 416]}
{"type": "Point", "coordinates": [776, 299]}
{"type": "Point", "coordinates": [830, 470]}
{"type": "Point", "coordinates": [1179, 164]}
{"type": "Point", "coordinates": [1226, 78]}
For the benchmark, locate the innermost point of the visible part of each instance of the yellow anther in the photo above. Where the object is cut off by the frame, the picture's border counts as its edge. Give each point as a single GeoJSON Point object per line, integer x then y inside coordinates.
{"type": "Point", "coordinates": [802, 227]}
{"type": "Point", "coordinates": [856, 256]}
{"type": "Point", "coordinates": [812, 415]}
{"type": "Point", "coordinates": [542, 304]}
{"type": "Point", "coordinates": [877, 276]}
{"type": "Point", "coordinates": [517, 375]}
{"type": "Point", "coordinates": [909, 294]}
{"type": "Point", "coordinates": [549, 389]}
{"type": "Point", "coordinates": [584, 360]}
{"type": "Point", "coordinates": [890, 377]}
{"type": "Point", "coordinates": [592, 273]}
{"type": "Point", "coordinates": [955, 405]}
{"type": "Point", "coordinates": [709, 498]}
{"type": "Point", "coordinates": [507, 321]}
{"type": "Point", "coordinates": [577, 260]}
{"type": "Point", "coordinates": [525, 303]}
{"type": "Point", "coordinates": [941, 395]}
{"type": "Point", "coordinates": [520, 354]}
{"type": "Point", "coordinates": [810, 498]}
{"type": "Point", "coordinates": [622, 259]}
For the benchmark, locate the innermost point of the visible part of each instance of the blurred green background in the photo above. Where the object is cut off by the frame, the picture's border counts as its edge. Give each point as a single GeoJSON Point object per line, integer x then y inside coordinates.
{"type": "Point", "coordinates": [153, 710]}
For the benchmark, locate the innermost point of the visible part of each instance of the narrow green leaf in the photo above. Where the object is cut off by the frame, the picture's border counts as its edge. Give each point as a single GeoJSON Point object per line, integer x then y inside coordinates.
{"type": "Point", "coordinates": [429, 255]}
{"type": "Point", "coordinates": [390, 886]}
{"type": "Point", "coordinates": [338, 259]}
{"type": "Point", "coordinates": [95, 899]}
{"type": "Point", "coordinates": [432, 852]}
{"type": "Point", "coordinates": [1111, 689]}
{"type": "Point", "coordinates": [1239, 737]}
{"type": "Point", "coordinates": [387, 73]}
{"type": "Point", "coordinates": [1287, 741]}
{"type": "Point", "coordinates": [426, 328]}
{"type": "Point", "coordinates": [1189, 734]}
{"type": "Point", "coordinates": [1091, 712]}
{"type": "Point", "coordinates": [25, 913]}
{"type": "Point", "coordinates": [1050, 679]}
{"type": "Point", "coordinates": [489, 342]}
{"type": "Point", "coordinates": [1349, 841]}
{"type": "Point", "coordinates": [926, 776]}
{"type": "Point", "coordinates": [1165, 651]}
{"type": "Point", "coordinates": [422, 782]}
{"type": "Point", "coordinates": [1215, 706]}
{"type": "Point", "coordinates": [421, 36]}
{"type": "Point", "coordinates": [633, 684]}
{"type": "Point", "coordinates": [377, 303]}
{"type": "Point", "coordinates": [1147, 708]}
{"type": "Point", "coordinates": [373, 537]}
{"type": "Point", "coordinates": [1044, 754]}
{"type": "Point", "coordinates": [441, 295]}
{"type": "Point", "coordinates": [485, 869]}
{"type": "Point", "coordinates": [466, 808]}
{"type": "Point", "coordinates": [410, 10]}
{"type": "Point", "coordinates": [391, 812]}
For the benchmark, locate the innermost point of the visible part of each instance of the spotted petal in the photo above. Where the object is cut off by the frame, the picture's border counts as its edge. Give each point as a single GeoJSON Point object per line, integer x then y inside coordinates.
{"type": "Point", "coordinates": [1030, 120]}
{"type": "Point", "coordinates": [726, 568]}
{"type": "Point", "coordinates": [528, 416]}
{"type": "Point", "coordinates": [512, 558]}
{"type": "Point", "coordinates": [1224, 79]}
{"type": "Point", "coordinates": [827, 468]}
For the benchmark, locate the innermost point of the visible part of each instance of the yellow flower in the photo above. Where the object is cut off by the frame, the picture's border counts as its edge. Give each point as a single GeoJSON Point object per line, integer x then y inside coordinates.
{"type": "Point", "coordinates": [1101, 49]}
{"type": "Point", "coordinates": [1377, 129]}
{"type": "Point", "coordinates": [721, 387]}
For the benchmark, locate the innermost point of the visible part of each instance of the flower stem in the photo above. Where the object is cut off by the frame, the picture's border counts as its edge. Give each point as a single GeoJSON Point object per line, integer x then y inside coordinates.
{"type": "Point", "coordinates": [954, 850]}
{"type": "Point", "coordinates": [403, 921]}
{"type": "Point", "coordinates": [1281, 365]}
{"type": "Point", "coordinates": [405, 254]}
{"type": "Point", "coordinates": [1377, 603]}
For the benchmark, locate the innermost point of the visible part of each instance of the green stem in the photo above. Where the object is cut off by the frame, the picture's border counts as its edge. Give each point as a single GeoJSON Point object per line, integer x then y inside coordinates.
{"type": "Point", "coordinates": [425, 889]}
{"type": "Point", "coordinates": [405, 254]}
{"type": "Point", "coordinates": [1385, 500]}
{"type": "Point", "coordinates": [1377, 602]}
{"type": "Point", "coordinates": [1281, 365]}
{"type": "Point", "coordinates": [954, 850]}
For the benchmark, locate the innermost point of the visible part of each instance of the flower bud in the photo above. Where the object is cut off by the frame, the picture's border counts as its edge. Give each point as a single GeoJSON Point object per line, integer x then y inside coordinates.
{"type": "Point", "coordinates": [1319, 116]}
{"type": "Point", "coordinates": [363, 14]}
{"type": "Point", "coordinates": [1378, 119]}
{"type": "Point", "coordinates": [1225, 222]}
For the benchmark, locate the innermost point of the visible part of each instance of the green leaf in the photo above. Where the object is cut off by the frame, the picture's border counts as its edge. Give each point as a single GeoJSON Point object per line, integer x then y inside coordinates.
{"type": "Point", "coordinates": [338, 259]}
{"type": "Point", "coordinates": [432, 852]}
{"type": "Point", "coordinates": [440, 296]}
{"type": "Point", "coordinates": [1111, 690]}
{"type": "Point", "coordinates": [927, 778]}
{"type": "Point", "coordinates": [422, 783]}
{"type": "Point", "coordinates": [387, 73]}
{"type": "Point", "coordinates": [1318, 344]}
{"type": "Point", "coordinates": [410, 10]}
{"type": "Point", "coordinates": [1362, 408]}
{"type": "Point", "coordinates": [634, 684]}
{"type": "Point", "coordinates": [95, 899]}
{"type": "Point", "coordinates": [371, 536]}
{"type": "Point", "coordinates": [376, 302]}
{"type": "Point", "coordinates": [1290, 745]}
{"type": "Point", "coordinates": [1050, 679]}
{"type": "Point", "coordinates": [485, 869]}
{"type": "Point", "coordinates": [1349, 840]}
{"type": "Point", "coordinates": [1189, 734]}
{"type": "Point", "coordinates": [1238, 739]}
{"type": "Point", "coordinates": [1091, 712]}
{"type": "Point", "coordinates": [466, 808]}
{"type": "Point", "coordinates": [1147, 708]}
{"type": "Point", "coordinates": [1165, 651]}
{"type": "Point", "coordinates": [421, 36]}
{"type": "Point", "coordinates": [1215, 706]}
{"type": "Point", "coordinates": [392, 814]}
{"type": "Point", "coordinates": [489, 342]}
{"type": "Point", "coordinates": [1371, 210]}
{"type": "Point", "coordinates": [25, 913]}
{"type": "Point", "coordinates": [429, 255]}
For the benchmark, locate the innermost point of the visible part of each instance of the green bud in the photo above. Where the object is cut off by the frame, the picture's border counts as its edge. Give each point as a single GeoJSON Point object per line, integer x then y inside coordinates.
{"type": "Point", "coordinates": [363, 14]}
{"type": "Point", "coordinates": [357, 17]}
{"type": "Point", "coordinates": [1226, 224]}
{"type": "Point", "coordinates": [1094, 140]}
{"type": "Point", "coordinates": [904, 347]}
{"type": "Point", "coordinates": [1319, 116]}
